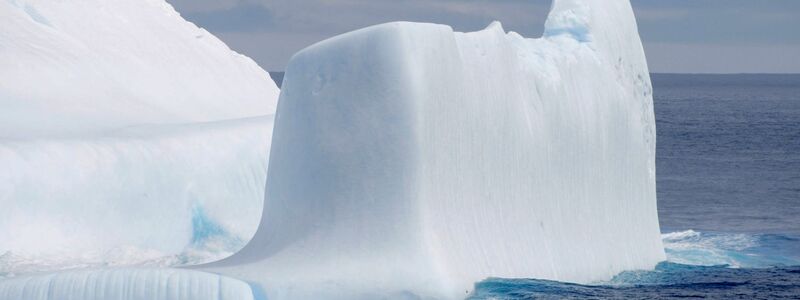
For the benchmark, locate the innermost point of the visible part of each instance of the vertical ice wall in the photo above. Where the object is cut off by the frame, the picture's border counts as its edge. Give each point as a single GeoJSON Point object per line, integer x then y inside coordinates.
{"type": "Point", "coordinates": [408, 159]}
{"type": "Point", "coordinates": [127, 135]}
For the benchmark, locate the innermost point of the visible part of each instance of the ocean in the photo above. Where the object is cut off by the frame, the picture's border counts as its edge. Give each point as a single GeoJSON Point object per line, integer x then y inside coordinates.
{"type": "Point", "coordinates": [728, 184]}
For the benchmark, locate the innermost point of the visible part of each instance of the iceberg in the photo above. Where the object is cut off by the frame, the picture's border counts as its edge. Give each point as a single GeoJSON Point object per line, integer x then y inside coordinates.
{"type": "Point", "coordinates": [127, 136]}
{"type": "Point", "coordinates": [191, 193]}
{"type": "Point", "coordinates": [411, 161]}
{"type": "Point", "coordinates": [408, 159]}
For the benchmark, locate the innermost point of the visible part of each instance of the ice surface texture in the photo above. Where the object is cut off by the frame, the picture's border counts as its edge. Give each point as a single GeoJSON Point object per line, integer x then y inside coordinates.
{"type": "Point", "coordinates": [138, 195]}
{"type": "Point", "coordinates": [93, 65]}
{"type": "Point", "coordinates": [144, 284]}
{"type": "Point", "coordinates": [408, 159]}
{"type": "Point", "coordinates": [126, 135]}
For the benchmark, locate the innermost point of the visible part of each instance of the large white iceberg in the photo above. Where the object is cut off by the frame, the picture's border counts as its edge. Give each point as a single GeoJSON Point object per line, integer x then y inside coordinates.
{"type": "Point", "coordinates": [408, 158]}
{"type": "Point", "coordinates": [411, 161]}
{"type": "Point", "coordinates": [126, 135]}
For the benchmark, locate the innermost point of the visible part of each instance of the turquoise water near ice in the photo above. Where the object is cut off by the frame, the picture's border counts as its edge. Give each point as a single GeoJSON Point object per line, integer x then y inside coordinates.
{"type": "Point", "coordinates": [669, 280]}
{"type": "Point", "coordinates": [700, 265]}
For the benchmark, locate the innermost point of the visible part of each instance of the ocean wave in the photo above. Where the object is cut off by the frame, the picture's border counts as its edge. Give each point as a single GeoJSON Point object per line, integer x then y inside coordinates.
{"type": "Point", "coordinates": [668, 280]}
{"type": "Point", "coordinates": [699, 265]}
{"type": "Point", "coordinates": [736, 250]}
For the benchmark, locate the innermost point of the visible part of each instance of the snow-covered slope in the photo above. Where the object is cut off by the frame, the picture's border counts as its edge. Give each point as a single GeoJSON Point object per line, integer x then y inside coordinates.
{"type": "Point", "coordinates": [408, 158]}
{"type": "Point", "coordinates": [71, 67]}
{"type": "Point", "coordinates": [127, 136]}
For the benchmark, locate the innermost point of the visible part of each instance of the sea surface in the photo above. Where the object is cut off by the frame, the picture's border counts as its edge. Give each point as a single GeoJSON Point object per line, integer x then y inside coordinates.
{"type": "Point", "coordinates": [728, 181]}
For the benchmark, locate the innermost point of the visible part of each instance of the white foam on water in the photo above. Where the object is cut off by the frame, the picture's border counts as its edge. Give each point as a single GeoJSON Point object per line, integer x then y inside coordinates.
{"type": "Point", "coordinates": [737, 250]}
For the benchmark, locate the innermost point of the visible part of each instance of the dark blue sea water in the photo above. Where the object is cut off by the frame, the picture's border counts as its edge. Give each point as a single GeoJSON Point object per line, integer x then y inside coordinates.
{"type": "Point", "coordinates": [728, 152]}
{"type": "Point", "coordinates": [728, 180]}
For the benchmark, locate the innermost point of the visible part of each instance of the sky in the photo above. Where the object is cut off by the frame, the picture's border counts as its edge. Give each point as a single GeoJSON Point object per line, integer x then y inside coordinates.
{"type": "Point", "coordinates": [679, 36]}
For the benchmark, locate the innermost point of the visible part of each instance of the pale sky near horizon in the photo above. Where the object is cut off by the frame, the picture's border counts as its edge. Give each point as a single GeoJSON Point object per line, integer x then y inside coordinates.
{"type": "Point", "coordinates": [679, 36]}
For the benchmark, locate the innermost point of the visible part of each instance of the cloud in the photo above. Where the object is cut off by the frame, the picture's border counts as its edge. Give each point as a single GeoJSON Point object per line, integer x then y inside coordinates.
{"type": "Point", "coordinates": [334, 17]}
{"type": "Point", "coordinates": [731, 22]}
{"type": "Point", "coordinates": [706, 58]}
{"type": "Point", "coordinates": [271, 30]}
{"type": "Point", "coordinates": [245, 17]}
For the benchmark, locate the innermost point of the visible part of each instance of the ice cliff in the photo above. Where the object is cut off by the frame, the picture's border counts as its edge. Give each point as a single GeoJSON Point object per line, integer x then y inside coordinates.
{"type": "Point", "coordinates": [408, 158]}
{"type": "Point", "coordinates": [126, 135]}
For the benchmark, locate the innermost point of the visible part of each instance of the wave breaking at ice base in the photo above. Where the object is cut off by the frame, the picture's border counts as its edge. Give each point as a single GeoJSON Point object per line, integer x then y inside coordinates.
{"type": "Point", "coordinates": [699, 264]}
{"type": "Point", "coordinates": [668, 280]}
{"type": "Point", "coordinates": [737, 250]}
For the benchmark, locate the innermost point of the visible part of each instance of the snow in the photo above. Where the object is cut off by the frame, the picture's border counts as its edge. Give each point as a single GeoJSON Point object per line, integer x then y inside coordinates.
{"type": "Point", "coordinates": [411, 160]}
{"type": "Point", "coordinates": [127, 136]}
{"type": "Point", "coordinates": [90, 66]}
